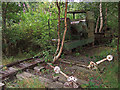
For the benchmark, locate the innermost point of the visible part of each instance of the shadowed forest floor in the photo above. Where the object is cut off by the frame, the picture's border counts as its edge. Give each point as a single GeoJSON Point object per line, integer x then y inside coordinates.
{"type": "Point", "coordinates": [100, 78]}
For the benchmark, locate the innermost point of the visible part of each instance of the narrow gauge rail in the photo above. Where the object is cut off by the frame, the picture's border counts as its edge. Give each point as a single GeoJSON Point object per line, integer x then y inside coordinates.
{"type": "Point", "coordinates": [21, 65]}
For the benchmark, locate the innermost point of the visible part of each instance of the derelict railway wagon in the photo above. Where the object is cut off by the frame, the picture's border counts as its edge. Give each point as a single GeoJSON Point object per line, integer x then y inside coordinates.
{"type": "Point", "coordinates": [79, 31]}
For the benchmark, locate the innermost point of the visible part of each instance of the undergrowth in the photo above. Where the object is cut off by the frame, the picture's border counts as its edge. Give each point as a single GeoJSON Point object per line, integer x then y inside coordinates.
{"type": "Point", "coordinates": [7, 60]}
{"type": "Point", "coordinates": [26, 83]}
{"type": "Point", "coordinates": [110, 76]}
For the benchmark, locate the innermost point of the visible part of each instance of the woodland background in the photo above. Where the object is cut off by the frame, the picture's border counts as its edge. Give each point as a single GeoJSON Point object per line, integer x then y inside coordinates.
{"type": "Point", "coordinates": [25, 25]}
{"type": "Point", "coordinates": [25, 31]}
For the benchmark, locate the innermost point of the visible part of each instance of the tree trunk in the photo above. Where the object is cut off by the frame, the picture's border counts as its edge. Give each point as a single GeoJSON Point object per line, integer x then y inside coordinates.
{"type": "Point", "coordinates": [101, 18]}
{"type": "Point", "coordinates": [4, 16]}
{"type": "Point", "coordinates": [62, 43]}
{"type": "Point", "coordinates": [97, 25]}
{"type": "Point", "coordinates": [118, 45]}
{"type": "Point", "coordinates": [4, 11]}
{"type": "Point", "coordinates": [106, 20]}
{"type": "Point", "coordinates": [58, 45]}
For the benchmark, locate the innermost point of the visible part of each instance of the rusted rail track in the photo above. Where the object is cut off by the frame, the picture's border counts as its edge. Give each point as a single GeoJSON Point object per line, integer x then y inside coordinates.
{"type": "Point", "coordinates": [20, 61]}
{"type": "Point", "coordinates": [21, 65]}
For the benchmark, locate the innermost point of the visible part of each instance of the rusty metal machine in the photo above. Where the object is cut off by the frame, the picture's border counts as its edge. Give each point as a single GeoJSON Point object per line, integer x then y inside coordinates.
{"type": "Point", "coordinates": [80, 31]}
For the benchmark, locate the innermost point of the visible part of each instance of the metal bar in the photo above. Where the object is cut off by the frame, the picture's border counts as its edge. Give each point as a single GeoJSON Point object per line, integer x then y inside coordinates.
{"type": "Point", "coordinates": [63, 74]}
{"type": "Point", "coordinates": [98, 62]}
{"type": "Point", "coordinates": [60, 70]}
{"type": "Point", "coordinates": [80, 11]}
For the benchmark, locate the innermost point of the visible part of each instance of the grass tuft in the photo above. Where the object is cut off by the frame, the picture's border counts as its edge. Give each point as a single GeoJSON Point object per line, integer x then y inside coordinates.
{"type": "Point", "coordinates": [26, 83]}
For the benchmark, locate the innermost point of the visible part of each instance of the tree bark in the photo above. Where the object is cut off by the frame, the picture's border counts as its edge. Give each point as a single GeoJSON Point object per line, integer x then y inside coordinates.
{"type": "Point", "coordinates": [4, 16]}
{"type": "Point", "coordinates": [118, 45]}
{"type": "Point", "coordinates": [62, 43]}
{"type": "Point", "coordinates": [58, 45]}
{"type": "Point", "coordinates": [4, 12]}
{"type": "Point", "coordinates": [101, 18]}
{"type": "Point", "coordinates": [106, 20]}
{"type": "Point", "coordinates": [97, 25]}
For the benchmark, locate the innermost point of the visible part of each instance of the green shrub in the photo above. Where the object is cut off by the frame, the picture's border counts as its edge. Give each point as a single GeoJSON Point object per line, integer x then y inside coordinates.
{"type": "Point", "coordinates": [113, 43]}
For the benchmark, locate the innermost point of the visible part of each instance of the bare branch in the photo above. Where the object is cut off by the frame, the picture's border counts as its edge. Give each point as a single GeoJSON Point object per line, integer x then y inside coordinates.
{"type": "Point", "coordinates": [58, 45]}
{"type": "Point", "coordinates": [62, 43]}
{"type": "Point", "coordinates": [101, 18]}
{"type": "Point", "coordinates": [97, 24]}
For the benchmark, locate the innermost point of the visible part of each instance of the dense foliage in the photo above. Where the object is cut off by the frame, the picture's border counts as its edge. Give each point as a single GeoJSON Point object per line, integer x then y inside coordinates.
{"type": "Point", "coordinates": [26, 29]}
